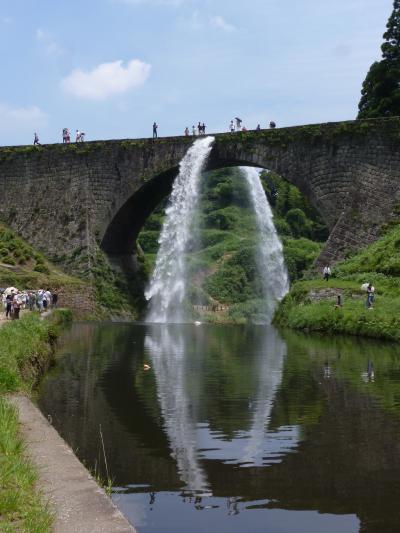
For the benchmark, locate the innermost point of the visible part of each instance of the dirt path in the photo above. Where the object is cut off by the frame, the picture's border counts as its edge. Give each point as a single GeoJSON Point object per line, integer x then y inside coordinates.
{"type": "Point", "coordinates": [80, 505]}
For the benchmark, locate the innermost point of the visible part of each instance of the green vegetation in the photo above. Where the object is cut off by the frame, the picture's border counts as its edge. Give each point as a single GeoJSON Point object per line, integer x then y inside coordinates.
{"type": "Point", "coordinates": [25, 348]}
{"type": "Point", "coordinates": [378, 264]}
{"type": "Point", "coordinates": [380, 91]}
{"type": "Point", "coordinates": [115, 292]}
{"type": "Point", "coordinates": [222, 261]}
{"type": "Point", "coordinates": [24, 267]}
{"type": "Point", "coordinates": [25, 351]}
{"type": "Point", "coordinates": [21, 508]}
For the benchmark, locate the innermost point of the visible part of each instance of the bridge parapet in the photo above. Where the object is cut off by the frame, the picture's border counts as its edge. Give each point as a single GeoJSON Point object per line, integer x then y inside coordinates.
{"type": "Point", "coordinates": [68, 199]}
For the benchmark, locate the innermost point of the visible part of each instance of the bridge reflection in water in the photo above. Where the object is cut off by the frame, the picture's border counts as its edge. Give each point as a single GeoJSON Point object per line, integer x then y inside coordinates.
{"type": "Point", "coordinates": [277, 430]}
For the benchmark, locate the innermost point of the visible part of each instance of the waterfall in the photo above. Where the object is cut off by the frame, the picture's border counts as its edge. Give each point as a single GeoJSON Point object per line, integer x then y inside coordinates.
{"type": "Point", "coordinates": [167, 287]}
{"type": "Point", "coordinates": [270, 261]}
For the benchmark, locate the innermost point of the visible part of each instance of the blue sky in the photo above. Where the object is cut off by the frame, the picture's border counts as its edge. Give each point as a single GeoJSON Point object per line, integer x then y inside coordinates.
{"type": "Point", "coordinates": [112, 67]}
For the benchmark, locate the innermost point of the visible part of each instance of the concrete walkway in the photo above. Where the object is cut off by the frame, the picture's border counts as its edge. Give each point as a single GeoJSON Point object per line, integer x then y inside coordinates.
{"type": "Point", "coordinates": [79, 504]}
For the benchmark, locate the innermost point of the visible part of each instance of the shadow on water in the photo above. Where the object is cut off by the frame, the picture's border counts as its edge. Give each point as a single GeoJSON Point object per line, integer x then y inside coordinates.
{"type": "Point", "coordinates": [263, 430]}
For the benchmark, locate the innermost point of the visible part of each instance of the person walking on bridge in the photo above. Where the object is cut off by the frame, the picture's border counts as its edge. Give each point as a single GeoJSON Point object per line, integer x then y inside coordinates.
{"type": "Point", "coordinates": [155, 127]}
{"type": "Point", "coordinates": [36, 140]}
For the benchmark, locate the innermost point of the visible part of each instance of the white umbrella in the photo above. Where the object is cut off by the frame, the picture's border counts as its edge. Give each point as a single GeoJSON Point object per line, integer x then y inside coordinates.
{"type": "Point", "coordinates": [365, 286]}
{"type": "Point", "coordinates": [9, 290]}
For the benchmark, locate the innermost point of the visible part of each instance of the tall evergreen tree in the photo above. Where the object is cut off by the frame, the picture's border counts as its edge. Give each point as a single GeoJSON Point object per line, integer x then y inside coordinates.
{"type": "Point", "coordinates": [381, 88]}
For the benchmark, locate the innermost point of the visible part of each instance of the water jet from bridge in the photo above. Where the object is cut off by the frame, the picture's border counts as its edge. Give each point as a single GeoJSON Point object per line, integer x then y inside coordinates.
{"type": "Point", "coordinates": [269, 257]}
{"type": "Point", "coordinates": [167, 288]}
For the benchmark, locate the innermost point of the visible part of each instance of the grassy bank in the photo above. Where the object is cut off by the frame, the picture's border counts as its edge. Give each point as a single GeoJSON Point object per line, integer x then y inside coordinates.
{"type": "Point", "coordinates": [309, 305]}
{"type": "Point", "coordinates": [25, 351]}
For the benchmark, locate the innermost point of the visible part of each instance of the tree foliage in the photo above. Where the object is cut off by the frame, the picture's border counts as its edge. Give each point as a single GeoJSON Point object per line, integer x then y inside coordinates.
{"type": "Point", "coordinates": [381, 88]}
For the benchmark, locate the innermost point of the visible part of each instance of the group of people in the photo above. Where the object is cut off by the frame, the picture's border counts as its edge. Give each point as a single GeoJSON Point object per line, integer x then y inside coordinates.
{"type": "Point", "coordinates": [368, 287]}
{"type": "Point", "coordinates": [66, 137]}
{"type": "Point", "coordinates": [235, 125]}
{"type": "Point", "coordinates": [200, 130]}
{"type": "Point", "coordinates": [15, 300]}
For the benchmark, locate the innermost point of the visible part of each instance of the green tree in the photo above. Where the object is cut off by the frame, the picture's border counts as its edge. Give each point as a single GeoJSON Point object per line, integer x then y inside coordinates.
{"type": "Point", "coordinates": [381, 88]}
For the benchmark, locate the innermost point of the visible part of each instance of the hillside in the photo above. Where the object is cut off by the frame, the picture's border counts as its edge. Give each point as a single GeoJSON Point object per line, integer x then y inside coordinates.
{"type": "Point", "coordinates": [97, 294]}
{"type": "Point", "coordinates": [221, 259]}
{"type": "Point", "coordinates": [310, 304]}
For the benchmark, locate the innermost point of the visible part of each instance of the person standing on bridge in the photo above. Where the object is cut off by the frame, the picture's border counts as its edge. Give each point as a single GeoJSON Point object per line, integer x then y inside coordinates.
{"type": "Point", "coordinates": [232, 127]}
{"type": "Point", "coordinates": [155, 128]}
{"type": "Point", "coordinates": [36, 140]}
{"type": "Point", "coordinates": [66, 135]}
{"type": "Point", "coordinates": [186, 132]}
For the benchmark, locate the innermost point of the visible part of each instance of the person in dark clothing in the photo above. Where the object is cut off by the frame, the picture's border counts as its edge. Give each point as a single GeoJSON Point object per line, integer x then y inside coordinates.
{"type": "Point", "coordinates": [9, 299]}
{"type": "Point", "coordinates": [155, 127]}
{"type": "Point", "coordinates": [55, 299]}
{"type": "Point", "coordinates": [272, 125]}
{"type": "Point", "coordinates": [370, 296]}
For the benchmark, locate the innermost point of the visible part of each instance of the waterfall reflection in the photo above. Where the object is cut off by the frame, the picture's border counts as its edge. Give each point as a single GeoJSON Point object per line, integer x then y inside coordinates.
{"type": "Point", "coordinates": [166, 347]}
{"type": "Point", "coordinates": [269, 373]}
{"type": "Point", "coordinates": [180, 367]}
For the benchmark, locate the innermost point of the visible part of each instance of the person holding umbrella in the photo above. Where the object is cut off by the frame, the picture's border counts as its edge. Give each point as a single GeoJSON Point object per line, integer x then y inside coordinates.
{"type": "Point", "coordinates": [238, 123]}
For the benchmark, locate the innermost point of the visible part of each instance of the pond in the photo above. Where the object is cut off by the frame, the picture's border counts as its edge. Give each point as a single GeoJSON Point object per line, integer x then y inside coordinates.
{"type": "Point", "coordinates": [233, 428]}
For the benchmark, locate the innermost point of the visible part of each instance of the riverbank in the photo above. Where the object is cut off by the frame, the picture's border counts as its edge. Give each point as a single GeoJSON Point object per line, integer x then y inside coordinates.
{"type": "Point", "coordinates": [311, 304]}
{"type": "Point", "coordinates": [43, 486]}
{"type": "Point", "coordinates": [25, 352]}
{"type": "Point", "coordinates": [77, 501]}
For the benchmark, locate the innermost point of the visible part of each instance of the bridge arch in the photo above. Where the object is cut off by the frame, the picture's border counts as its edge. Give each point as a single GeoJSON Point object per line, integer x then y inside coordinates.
{"type": "Point", "coordinates": [68, 199]}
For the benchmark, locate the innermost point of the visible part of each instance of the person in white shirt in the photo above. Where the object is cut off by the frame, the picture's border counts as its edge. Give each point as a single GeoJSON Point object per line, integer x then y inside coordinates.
{"type": "Point", "coordinates": [326, 272]}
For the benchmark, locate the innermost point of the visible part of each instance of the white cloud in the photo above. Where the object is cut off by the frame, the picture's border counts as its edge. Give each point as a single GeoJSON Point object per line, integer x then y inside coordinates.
{"type": "Point", "coordinates": [51, 47]}
{"type": "Point", "coordinates": [106, 79]}
{"type": "Point", "coordinates": [21, 118]}
{"type": "Point", "coordinates": [219, 22]}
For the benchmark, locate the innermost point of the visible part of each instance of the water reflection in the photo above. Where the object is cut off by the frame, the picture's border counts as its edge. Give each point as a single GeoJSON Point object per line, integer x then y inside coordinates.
{"type": "Point", "coordinates": [171, 350]}
{"type": "Point", "coordinates": [251, 427]}
{"type": "Point", "coordinates": [167, 350]}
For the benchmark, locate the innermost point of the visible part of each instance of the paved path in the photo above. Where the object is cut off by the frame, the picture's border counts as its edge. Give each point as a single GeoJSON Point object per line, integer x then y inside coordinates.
{"type": "Point", "coordinates": [80, 505]}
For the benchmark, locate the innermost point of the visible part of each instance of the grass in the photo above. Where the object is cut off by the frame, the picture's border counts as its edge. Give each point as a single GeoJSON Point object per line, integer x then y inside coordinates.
{"type": "Point", "coordinates": [25, 351]}
{"type": "Point", "coordinates": [21, 507]}
{"type": "Point", "coordinates": [25, 348]}
{"type": "Point", "coordinates": [378, 264]}
{"type": "Point", "coordinates": [24, 267]}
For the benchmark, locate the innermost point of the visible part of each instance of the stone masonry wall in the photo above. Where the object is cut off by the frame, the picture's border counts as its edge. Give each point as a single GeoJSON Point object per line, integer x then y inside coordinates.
{"type": "Point", "coordinates": [65, 199]}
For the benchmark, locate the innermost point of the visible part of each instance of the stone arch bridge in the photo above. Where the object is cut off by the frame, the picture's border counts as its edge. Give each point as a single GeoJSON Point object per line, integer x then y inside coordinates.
{"type": "Point", "coordinates": [67, 200]}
